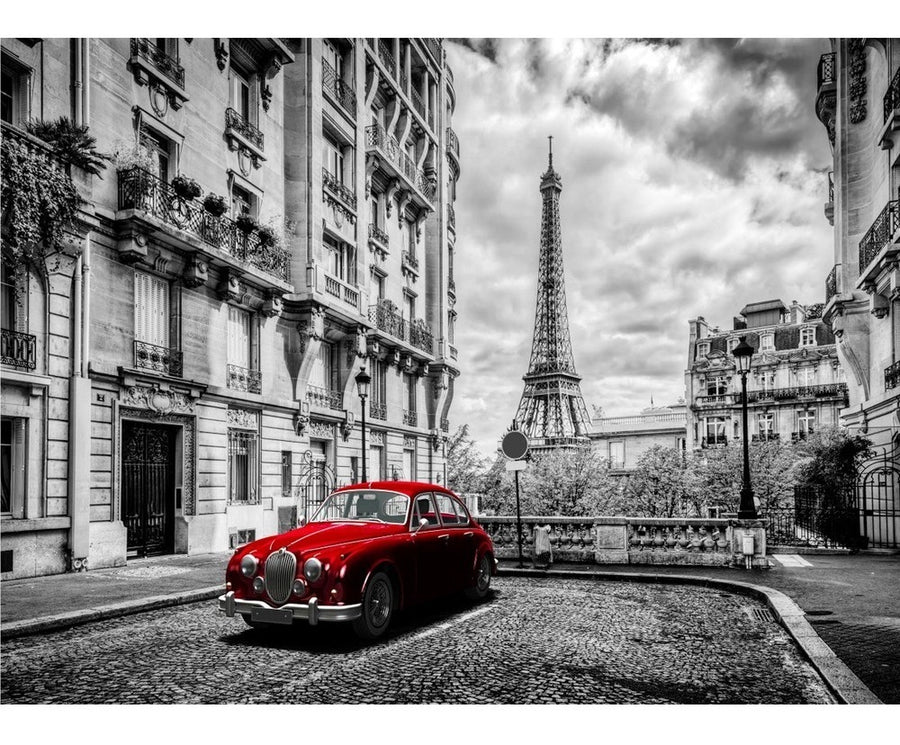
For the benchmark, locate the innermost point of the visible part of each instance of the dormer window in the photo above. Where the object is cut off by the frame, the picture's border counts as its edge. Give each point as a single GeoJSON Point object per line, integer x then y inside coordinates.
{"type": "Point", "coordinates": [808, 336]}
{"type": "Point", "coordinates": [766, 342]}
{"type": "Point", "coordinates": [703, 349]}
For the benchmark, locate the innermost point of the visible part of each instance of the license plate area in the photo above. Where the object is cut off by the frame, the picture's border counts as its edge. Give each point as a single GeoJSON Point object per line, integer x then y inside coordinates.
{"type": "Point", "coordinates": [272, 615]}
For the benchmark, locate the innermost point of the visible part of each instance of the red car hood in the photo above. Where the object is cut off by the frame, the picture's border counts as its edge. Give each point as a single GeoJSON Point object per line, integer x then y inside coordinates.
{"type": "Point", "coordinates": [317, 536]}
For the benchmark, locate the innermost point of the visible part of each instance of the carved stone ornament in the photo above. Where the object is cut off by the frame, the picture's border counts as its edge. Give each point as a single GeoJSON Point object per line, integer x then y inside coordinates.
{"type": "Point", "coordinates": [196, 272]}
{"type": "Point", "coordinates": [409, 443]}
{"type": "Point", "coordinates": [243, 419]}
{"type": "Point", "coordinates": [230, 287]}
{"type": "Point", "coordinates": [376, 437]}
{"type": "Point", "coordinates": [301, 420]}
{"type": "Point", "coordinates": [159, 99]}
{"type": "Point", "coordinates": [221, 49]}
{"type": "Point", "coordinates": [857, 88]}
{"type": "Point", "coordinates": [265, 93]}
{"type": "Point", "coordinates": [321, 430]}
{"type": "Point", "coordinates": [158, 401]}
{"type": "Point", "coordinates": [272, 306]}
{"type": "Point", "coordinates": [347, 425]}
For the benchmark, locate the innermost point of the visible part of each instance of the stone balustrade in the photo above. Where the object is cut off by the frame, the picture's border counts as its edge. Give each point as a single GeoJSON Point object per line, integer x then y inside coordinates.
{"type": "Point", "coordinates": [631, 540]}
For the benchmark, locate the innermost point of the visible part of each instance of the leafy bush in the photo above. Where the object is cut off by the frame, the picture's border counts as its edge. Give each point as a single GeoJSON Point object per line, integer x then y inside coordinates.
{"type": "Point", "coordinates": [186, 187]}
{"type": "Point", "coordinates": [215, 204]}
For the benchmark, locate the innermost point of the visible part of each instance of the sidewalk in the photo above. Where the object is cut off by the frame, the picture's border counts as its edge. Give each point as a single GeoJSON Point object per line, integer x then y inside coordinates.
{"type": "Point", "coordinates": [852, 602]}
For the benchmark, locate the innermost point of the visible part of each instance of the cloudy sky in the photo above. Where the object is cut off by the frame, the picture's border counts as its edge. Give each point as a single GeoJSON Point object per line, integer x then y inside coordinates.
{"type": "Point", "coordinates": [694, 177]}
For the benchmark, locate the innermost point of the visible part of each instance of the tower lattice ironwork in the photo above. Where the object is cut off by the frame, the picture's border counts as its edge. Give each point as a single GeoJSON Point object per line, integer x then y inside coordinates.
{"type": "Point", "coordinates": [552, 412]}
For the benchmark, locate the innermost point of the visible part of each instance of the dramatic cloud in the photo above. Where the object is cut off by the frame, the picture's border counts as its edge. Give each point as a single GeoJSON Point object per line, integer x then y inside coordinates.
{"type": "Point", "coordinates": [693, 182]}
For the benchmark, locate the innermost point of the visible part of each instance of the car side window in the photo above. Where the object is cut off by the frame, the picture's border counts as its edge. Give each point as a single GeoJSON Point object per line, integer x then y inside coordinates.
{"type": "Point", "coordinates": [461, 511]}
{"type": "Point", "coordinates": [446, 509]}
{"type": "Point", "coordinates": [424, 508]}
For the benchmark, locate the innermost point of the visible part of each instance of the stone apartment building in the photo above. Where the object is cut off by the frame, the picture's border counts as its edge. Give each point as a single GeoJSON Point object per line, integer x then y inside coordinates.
{"type": "Point", "coordinates": [795, 385]}
{"type": "Point", "coordinates": [622, 440]}
{"type": "Point", "coordinates": [181, 378]}
{"type": "Point", "coordinates": [858, 101]}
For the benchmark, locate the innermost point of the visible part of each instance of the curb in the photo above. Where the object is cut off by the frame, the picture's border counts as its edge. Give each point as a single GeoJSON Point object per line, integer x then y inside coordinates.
{"type": "Point", "coordinates": [840, 679]}
{"type": "Point", "coordinates": [89, 615]}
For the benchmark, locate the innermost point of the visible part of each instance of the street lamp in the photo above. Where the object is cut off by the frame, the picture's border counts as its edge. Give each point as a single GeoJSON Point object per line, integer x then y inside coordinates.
{"type": "Point", "coordinates": [362, 386]}
{"type": "Point", "coordinates": [743, 353]}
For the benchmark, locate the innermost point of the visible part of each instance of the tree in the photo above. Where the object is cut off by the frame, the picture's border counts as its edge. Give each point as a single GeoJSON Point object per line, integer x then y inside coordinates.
{"type": "Point", "coordinates": [568, 482]}
{"type": "Point", "coordinates": [831, 460]}
{"type": "Point", "coordinates": [465, 465]}
{"type": "Point", "coordinates": [660, 485]}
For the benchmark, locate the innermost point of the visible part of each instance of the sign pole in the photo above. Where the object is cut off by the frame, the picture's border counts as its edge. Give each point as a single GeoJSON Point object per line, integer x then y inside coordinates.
{"type": "Point", "coordinates": [515, 447]}
{"type": "Point", "coordinates": [519, 521]}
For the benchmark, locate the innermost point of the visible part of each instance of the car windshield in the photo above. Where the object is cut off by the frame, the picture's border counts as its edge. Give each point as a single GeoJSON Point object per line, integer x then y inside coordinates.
{"type": "Point", "coordinates": [364, 504]}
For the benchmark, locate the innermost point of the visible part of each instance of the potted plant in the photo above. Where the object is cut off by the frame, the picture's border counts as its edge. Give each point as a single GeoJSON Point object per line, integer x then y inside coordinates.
{"type": "Point", "coordinates": [72, 143]}
{"type": "Point", "coordinates": [186, 187]}
{"type": "Point", "coordinates": [246, 223]}
{"type": "Point", "coordinates": [267, 236]}
{"type": "Point", "coordinates": [215, 204]}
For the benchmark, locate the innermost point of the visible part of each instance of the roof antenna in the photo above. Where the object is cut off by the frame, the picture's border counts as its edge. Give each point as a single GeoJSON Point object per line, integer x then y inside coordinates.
{"type": "Point", "coordinates": [550, 137]}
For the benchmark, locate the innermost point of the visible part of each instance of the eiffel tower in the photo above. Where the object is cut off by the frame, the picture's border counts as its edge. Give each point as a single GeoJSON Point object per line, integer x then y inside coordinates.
{"type": "Point", "coordinates": [552, 413]}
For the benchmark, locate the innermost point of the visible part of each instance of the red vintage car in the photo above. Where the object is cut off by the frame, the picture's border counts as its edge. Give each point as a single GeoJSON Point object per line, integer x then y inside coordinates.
{"type": "Point", "coordinates": [369, 550]}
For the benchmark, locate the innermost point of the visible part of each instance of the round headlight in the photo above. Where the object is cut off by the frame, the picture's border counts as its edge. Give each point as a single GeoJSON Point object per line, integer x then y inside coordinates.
{"type": "Point", "coordinates": [248, 565]}
{"type": "Point", "coordinates": [299, 587]}
{"type": "Point", "coordinates": [258, 584]}
{"type": "Point", "coordinates": [312, 569]}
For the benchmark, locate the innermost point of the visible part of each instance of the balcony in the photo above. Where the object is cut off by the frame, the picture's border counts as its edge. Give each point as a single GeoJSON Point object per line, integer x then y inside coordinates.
{"type": "Point", "coordinates": [151, 66]}
{"type": "Point", "coordinates": [826, 98]}
{"type": "Point", "coordinates": [241, 379]}
{"type": "Point", "coordinates": [344, 193]}
{"type": "Point", "coordinates": [159, 359]}
{"type": "Point", "coordinates": [892, 97]}
{"type": "Point", "coordinates": [714, 442]}
{"type": "Point", "coordinates": [142, 192]}
{"type": "Point", "coordinates": [377, 410]}
{"type": "Point", "coordinates": [411, 417]}
{"type": "Point", "coordinates": [765, 437]}
{"type": "Point", "coordinates": [825, 72]}
{"type": "Point", "coordinates": [454, 353]}
{"type": "Point", "coordinates": [451, 218]}
{"type": "Point", "coordinates": [451, 287]}
{"type": "Point", "coordinates": [453, 144]}
{"type": "Point", "coordinates": [445, 425]}
{"type": "Point", "coordinates": [416, 333]}
{"type": "Point", "coordinates": [420, 336]}
{"type": "Point", "coordinates": [409, 263]}
{"type": "Point", "coordinates": [718, 399]}
{"type": "Point", "coordinates": [324, 398]}
{"type": "Point", "coordinates": [829, 205]}
{"type": "Point", "coordinates": [832, 283]}
{"type": "Point", "coordinates": [342, 291]}
{"type": "Point", "coordinates": [435, 49]}
{"type": "Point", "coordinates": [882, 236]}
{"type": "Point", "coordinates": [387, 59]}
{"type": "Point", "coordinates": [395, 162]}
{"type": "Point", "coordinates": [340, 91]}
{"type": "Point", "coordinates": [827, 390]}
{"type": "Point", "coordinates": [18, 349]}
{"type": "Point", "coordinates": [244, 137]}
{"type": "Point", "coordinates": [891, 375]}
{"type": "Point", "coordinates": [378, 237]}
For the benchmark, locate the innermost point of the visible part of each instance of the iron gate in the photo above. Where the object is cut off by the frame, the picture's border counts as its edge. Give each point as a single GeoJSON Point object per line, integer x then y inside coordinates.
{"type": "Point", "coordinates": [878, 496]}
{"type": "Point", "coordinates": [148, 494]}
{"type": "Point", "coordinates": [316, 483]}
{"type": "Point", "coordinates": [815, 520]}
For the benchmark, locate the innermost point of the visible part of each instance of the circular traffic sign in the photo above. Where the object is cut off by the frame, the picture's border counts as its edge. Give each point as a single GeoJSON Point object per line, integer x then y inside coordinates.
{"type": "Point", "coordinates": [514, 444]}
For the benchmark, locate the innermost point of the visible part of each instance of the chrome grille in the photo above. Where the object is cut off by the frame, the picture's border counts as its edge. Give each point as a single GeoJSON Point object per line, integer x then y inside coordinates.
{"type": "Point", "coordinates": [281, 568]}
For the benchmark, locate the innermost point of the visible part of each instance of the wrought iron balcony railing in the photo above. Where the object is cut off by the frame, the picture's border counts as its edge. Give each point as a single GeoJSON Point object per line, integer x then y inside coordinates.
{"type": "Point", "coordinates": [378, 235]}
{"type": "Point", "coordinates": [387, 59]}
{"type": "Point", "coordinates": [452, 143]}
{"type": "Point", "coordinates": [718, 399]}
{"type": "Point", "coordinates": [237, 123]}
{"type": "Point", "coordinates": [167, 65]}
{"type": "Point", "coordinates": [892, 376]}
{"type": "Point", "coordinates": [880, 234]}
{"type": "Point", "coordinates": [324, 398]}
{"type": "Point", "coordinates": [420, 336]}
{"type": "Point", "coordinates": [160, 359]}
{"type": "Point", "coordinates": [765, 437]}
{"type": "Point", "coordinates": [340, 190]}
{"type": "Point", "coordinates": [451, 286]}
{"type": "Point", "coordinates": [825, 73]}
{"type": "Point", "coordinates": [831, 283]}
{"type": "Point", "coordinates": [418, 103]}
{"type": "Point", "coordinates": [18, 349]}
{"type": "Point", "coordinates": [411, 417]}
{"type": "Point", "coordinates": [408, 259]}
{"type": "Point", "coordinates": [377, 138]}
{"type": "Point", "coordinates": [714, 442]}
{"type": "Point", "coordinates": [451, 216]}
{"type": "Point", "coordinates": [435, 49]}
{"type": "Point", "coordinates": [445, 425]}
{"type": "Point", "coordinates": [377, 410]}
{"type": "Point", "coordinates": [826, 390]}
{"type": "Point", "coordinates": [241, 379]}
{"type": "Point", "coordinates": [388, 320]}
{"type": "Point", "coordinates": [454, 353]}
{"type": "Point", "coordinates": [892, 96]}
{"type": "Point", "coordinates": [141, 190]}
{"type": "Point", "coordinates": [831, 186]}
{"type": "Point", "coordinates": [341, 91]}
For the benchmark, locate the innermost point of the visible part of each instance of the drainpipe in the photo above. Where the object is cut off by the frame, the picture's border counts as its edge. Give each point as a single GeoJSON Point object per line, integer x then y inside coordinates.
{"type": "Point", "coordinates": [86, 268]}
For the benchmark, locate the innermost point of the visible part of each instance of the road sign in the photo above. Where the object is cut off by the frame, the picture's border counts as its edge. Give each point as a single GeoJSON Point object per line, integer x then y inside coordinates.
{"type": "Point", "coordinates": [516, 465]}
{"type": "Point", "coordinates": [514, 444]}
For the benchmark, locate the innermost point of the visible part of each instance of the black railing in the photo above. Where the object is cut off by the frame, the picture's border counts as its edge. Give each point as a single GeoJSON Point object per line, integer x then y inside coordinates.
{"type": "Point", "coordinates": [452, 143]}
{"type": "Point", "coordinates": [831, 186]}
{"type": "Point", "coordinates": [161, 359]}
{"type": "Point", "coordinates": [718, 399]}
{"type": "Point", "coordinates": [451, 286]}
{"type": "Point", "coordinates": [377, 410]}
{"type": "Point", "coordinates": [765, 437]}
{"type": "Point", "coordinates": [880, 234]}
{"type": "Point", "coordinates": [410, 417]}
{"type": "Point", "coordinates": [813, 520]}
{"type": "Point", "coordinates": [387, 59]}
{"type": "Point", "coordinates": [831, 283]}
{"type": "Point", "coordinates": [418, 103]}
{"type": "Point", "coordinates": [141, 190]}
{"type": "Point", "coordinates": [378, 235]}
{"type": "Point", "coordinates": [826, 390]}
{"type": "Point", "coordinates": [342, 92]}
{"type": "Point", "coordinates": [420, 336]}
{"type": "Point", "coordinates": [18, 349]}
{"type": "Point", "coordinates": [416, 333]}
{"type": "Point", "coordinates": [388, 146]}
{"type": "Point", "coordinates": [242, 379]}
{"type": "Point", "coordinates": [341, 191]}
{"type": "Point", "coordinates": [825, 70]}
{"type": "Point", "coordinates": [892, 376]}
{"type": "Point", "coordinates": [237, 123]}
{"type": "Point", "coordinates": [714, 442]}
{"type": "Point", "coordinates": [435, 50]}
{"type": "Point", "coordinates": [326, 398]}
{"type": "Point", "coordinates": [892, 96]}
{"type": "Point", "coordinates": [451, 216]}
{"type": "Point", "coordinates": [167, 65]}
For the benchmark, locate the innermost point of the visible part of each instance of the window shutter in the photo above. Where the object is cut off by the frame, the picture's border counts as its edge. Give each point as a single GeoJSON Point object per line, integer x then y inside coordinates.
{"type": "Point", "coordinates": [18, 467]}
{"type": "Point", "coordinates": [151, 309]}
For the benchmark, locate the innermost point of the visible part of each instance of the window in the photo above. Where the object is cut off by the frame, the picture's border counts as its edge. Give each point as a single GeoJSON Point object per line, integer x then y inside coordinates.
{"type": "Point", "coordinates": [451, 327]}
{"type": "Point", "coordinates": [808, 336]}
{"type": "Point", "coordinates": [159, 149]}
{"type": "Point", "coordinates": [12, 466]}
{"type": "Point", "coordinates": [241, 202]}
{"type": "Point", "coordinates": [238, 344]}
{"type": "Point", "coordinates": [411, 307]}
{"type": "Point", "coordinates": [325, 372]}
{"type": "Point", "coordinates": [617, 454]}
{"type": "Point", "coordinates": [765, 425]}
{"type": "Point", "coordinates": [286, 473]}
{"type": "Point", "coordinates": [717, 385]}
{"type": "Point", "coordinates": [152, 312]}
{"type": "Point", "coordinates": [377, 288]}
{"type": "Point", "coordinates": [715, 430]}
{"type": "Point", "coordinates": [375, 210]}
{"type": "Point", "coordinates": [409, 463]}
{"type": "Point", "coordinates": [806, 376]}
{"type": "Point", "coordinates": [378, 388]}
{"type": "Point", "coordinates": [333, 57]}
{"type": "Point", "coordinates": [702, 349]}
{"type": "Point", "coordinates": [375, 468]}
{"type": "Point", "coordinates": [732, 343]}
{"type": "Point", "coordinates": [13, 91]}
{"type": "Point", "coordinates": [411, 227]}
{"type": "Point", "coordinates": [767, 381]}
{"type": "Point", "coordinates": [806, 422]}
{"type": "Point", "coordinates": [766, 342]}
{"type": "Point", "coordinates": [333, 159]}
{"type": "Point", "coordinates": [410, 385]}
{"type": "Point", "coordinates": [446, 509]}
{"type": "Point", "coordinates": [243, 462]}
{"type": "Point", "coordinates": [9, 304]}
{"type": "Point", "coordinates": [240, 94]}
{"type": "Point", "coordinates": [340, 259]}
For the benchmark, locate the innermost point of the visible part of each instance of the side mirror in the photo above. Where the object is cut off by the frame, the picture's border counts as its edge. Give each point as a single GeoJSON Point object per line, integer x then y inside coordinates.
{"type": "Point", "coordinates": [422, 523]}
{"type": "Point", "coordinates": [302, 521]}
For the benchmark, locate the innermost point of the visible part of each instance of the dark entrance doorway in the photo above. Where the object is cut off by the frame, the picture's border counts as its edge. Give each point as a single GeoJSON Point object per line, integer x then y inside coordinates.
{"type": "Point", "coordinates": [878, 496]}
{"type": "Point", "coordinates": [316, 483]}
{"type": "Point", "coordinates": [148, 487]}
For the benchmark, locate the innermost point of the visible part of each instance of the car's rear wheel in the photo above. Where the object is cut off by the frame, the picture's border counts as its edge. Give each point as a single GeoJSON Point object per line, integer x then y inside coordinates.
{"type": "Point", "coordinates": [479, 590]}
{"type": "Point", "coordinates": [377, 607]}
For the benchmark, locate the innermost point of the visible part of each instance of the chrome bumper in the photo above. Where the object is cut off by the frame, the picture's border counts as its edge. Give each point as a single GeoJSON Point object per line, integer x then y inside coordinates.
{"type": "Point", "coordinates": [311, 612]}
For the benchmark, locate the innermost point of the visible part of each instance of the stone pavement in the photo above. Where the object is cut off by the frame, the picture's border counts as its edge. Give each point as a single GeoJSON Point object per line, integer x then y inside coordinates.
{"type": "Point", "coordinates": [851, 601]}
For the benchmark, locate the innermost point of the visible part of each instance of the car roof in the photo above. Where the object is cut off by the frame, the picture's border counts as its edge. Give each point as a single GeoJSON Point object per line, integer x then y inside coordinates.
{"type": "Point", "coordinates": [410, 488]}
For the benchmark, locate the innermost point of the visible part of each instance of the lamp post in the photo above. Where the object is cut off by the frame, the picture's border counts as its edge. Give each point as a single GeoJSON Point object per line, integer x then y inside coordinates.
{"type": "Point", "coordinates": [743, 353]}
{"type": "Point", "coordinates": [362, 386]}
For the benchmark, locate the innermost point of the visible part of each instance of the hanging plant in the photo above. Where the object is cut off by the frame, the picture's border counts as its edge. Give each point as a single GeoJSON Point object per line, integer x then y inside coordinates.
{"type": "Point", "coordinates": [245, 223]}
{"type": "Point", "coordinates": [39, 201]}
{"type": "Point", "coordinates": [185, 187]}
{"type": "Point", "coordinates": [215, 204]}
{"type": "Point", "coordinates": [71, 142]}
{"type": "Point", "coordinates": [267, 236]}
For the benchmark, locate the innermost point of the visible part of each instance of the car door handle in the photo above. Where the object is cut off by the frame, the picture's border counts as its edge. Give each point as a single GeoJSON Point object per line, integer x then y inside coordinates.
{"type": "Point", "coordinates": [468, 534]}
{"type": "Point", "coordinates": [445, 537]}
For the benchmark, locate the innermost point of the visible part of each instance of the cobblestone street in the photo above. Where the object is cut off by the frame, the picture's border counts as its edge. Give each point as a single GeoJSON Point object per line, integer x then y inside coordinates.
{"type": "Point", "coordinates": [533, 641]}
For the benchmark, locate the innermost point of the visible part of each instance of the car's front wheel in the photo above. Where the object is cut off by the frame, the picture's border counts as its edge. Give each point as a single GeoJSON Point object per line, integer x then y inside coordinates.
{"type": "Point", "coordinates": [479, 590]}
{"type": "Point", "coordinates": [377, 607]}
